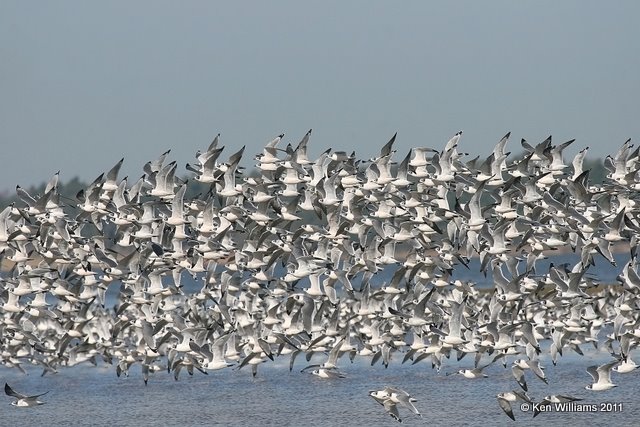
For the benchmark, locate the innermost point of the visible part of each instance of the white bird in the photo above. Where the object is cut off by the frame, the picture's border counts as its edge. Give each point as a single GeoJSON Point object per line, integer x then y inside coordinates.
{"type": "Point", "coordinates": [327, 373]}
{"type": "Point", "coordinates": [626, 365]}
{"type": "Point", "coordinates": [382, 398]}
{"type": "Point", "coordinates": [390, 397]}
{"type": "Point", "coordinates": [601, 377]}
{"type": "Point", "coordinates": [471, 373]}
{"type": "Point", "coordinates": [23, 400]}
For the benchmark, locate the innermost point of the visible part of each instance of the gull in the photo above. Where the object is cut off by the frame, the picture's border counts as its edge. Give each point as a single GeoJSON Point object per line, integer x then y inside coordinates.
{"type": "Point", "coordinates": [111, 184]}
{"type": "Point", "coordinates": [626, 365]}
{"type": "Point", "coordinates": [328, 373]}
{"type": "Point", "coordinates": [518, 374]}
{"type": "Point", "coordinates": [163, 181]}
{"type": "Point", "coordinates": [23, 400]}
{"type": "Point", "coordinates": [443, 166]}
{"type": "Point", "coordinates": [177, 208]}
{"type": "Point", "coordinates": [390, 397]}
{"type": "Point", "coordinates": [35, 207]}
{"type": "Point", "coordinates": [471, 373]}
{"type": "Point", "coordinates": [505, 399]}
{"type": "Point", "coordinates": [498, 150]}
{"type": "Point", "coordinates": [615, 227]}
{"type": "Point", "coordinates": [557, 165]}
{"type": "Point", "coordinates": [327, 188]}
{"type": "Point", "coordinates": [291, 178]}
{"type": "Point", "coordinates": [387, 148]}
{"type": "Point", "coordinates": [402, 173]}
{"type": "Point", "coordinates": [491, 169]}
{"type": "Point", "coordinates": [383, 165]}
{"type": "Point", "coordinates": [154, 166]}
{"type": "Point", "coordinates": [577, 163]}
{"type": "Point", "coordinates": [215, 359]}
{"type": "Point", "coordinates": [332, 360]}
{"type": "Point", "coordinates": [403, 398]}
{"type": "Point", "coordinates": [619, 162]}
{"type": "Point", "coordinates": [601, 377]}
{"type": "Point", "coordinates": [208, 162]}
{"type": "Point", "coordinates": [476, 220]}
{"type": "Point", "coordinates": [509, 289]}
{"type": "Point", "coordinates": [454, 337]}
{"type": "Point", "coordinates": [229, 188]}
{"type": "Point", "coordinates": [535, 367]}
{"type": "Point", "coordinates": [254, 359]}
{"type": "Point", "coordinates": [389, 405]}
{"type": "Point", "coordinates": [299, 155]}
{"type": "Point", "coordinates": [539, 150]}
{"type": "Point", "coordinates": [419, 157]}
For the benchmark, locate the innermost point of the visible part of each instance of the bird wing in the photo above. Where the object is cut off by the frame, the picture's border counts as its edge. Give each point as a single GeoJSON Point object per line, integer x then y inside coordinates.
{"type": "Point", "coordinates": [536, 369]}
{"type": "Point", "coordinates": [593, 371]}
{"type": "Point", "coordinates": [604, 372]}
{"type": "Point", "coordinates": [518, 374]}
{"type": "Point", "coordinates": [11, 392]}
{"type": "Point", "coordinates": [392, 409]}
{"type": "Point", "coordinates": [506, 407]}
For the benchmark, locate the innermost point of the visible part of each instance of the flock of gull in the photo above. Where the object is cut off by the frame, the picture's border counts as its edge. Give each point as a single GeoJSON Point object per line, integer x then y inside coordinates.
{"type": "Point", "coordinates": [336, 257]}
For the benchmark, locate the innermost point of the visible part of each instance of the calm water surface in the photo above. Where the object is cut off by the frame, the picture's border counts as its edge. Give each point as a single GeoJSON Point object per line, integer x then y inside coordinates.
{"type": "Point", "coordinates": [88, 396]}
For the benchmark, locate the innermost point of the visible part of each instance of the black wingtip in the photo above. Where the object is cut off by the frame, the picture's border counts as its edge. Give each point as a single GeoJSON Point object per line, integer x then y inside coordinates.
{"type": "Point", "coordinates": [8, 390]}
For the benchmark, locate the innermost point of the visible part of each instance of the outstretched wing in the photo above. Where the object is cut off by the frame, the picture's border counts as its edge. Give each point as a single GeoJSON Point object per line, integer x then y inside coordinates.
{"type": "Point", "coordinates": [392, 410]}
{"type": "Point", "coordinates": [593, 371]}
{"type": "Point", "coordinates": [506, 407]}
{"type": "Point", "coordinates": [11, 392]}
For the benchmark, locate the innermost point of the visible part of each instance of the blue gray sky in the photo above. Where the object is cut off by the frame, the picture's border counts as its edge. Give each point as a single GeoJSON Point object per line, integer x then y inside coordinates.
{"type": "Point", "coordinates": [84, 83]}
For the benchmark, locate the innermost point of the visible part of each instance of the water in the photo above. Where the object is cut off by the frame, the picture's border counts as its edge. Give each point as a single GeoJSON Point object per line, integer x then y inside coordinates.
{"type": "Point", "coordinates": [94, 396]}
{"type": "Point", "coordinates": [97, 397]}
